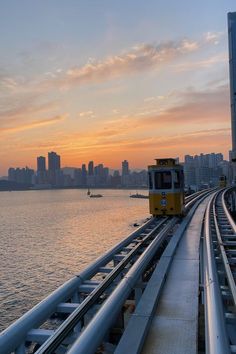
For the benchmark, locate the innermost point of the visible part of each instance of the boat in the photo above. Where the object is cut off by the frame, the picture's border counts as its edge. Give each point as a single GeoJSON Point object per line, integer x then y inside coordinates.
{"type": "Point", "coordinates": [96, 195]}
{"type": "Point", "coordinates": [137, 195]}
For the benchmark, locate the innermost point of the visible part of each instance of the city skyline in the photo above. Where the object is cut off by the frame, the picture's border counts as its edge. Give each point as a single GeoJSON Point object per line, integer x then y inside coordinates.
{"type": "Point", "coordinates": [42, 163]}
{"type": "Point", "coordinates": [53, 162]}
{"type": "Point", "coordinates": [201, 171]}
{"type": "Point", "coordinates": [114, 81]}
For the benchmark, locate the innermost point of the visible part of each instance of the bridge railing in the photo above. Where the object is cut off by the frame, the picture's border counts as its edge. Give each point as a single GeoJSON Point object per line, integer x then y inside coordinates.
{"type": "Point", "coordinates": [215, 329]}
{"type": "Point", "coordinates": [13, 338]}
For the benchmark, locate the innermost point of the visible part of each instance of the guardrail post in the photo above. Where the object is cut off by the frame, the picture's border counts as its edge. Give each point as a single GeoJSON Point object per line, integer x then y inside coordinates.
{"type": "Point", "coordinates": [21, 349]}
{"type": "Point", "coordinates": [138, 291]}
{"type": "Point", "coordinates": [75, 297]}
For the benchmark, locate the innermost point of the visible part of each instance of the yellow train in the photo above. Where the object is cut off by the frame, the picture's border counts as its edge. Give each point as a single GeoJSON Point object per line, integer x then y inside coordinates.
{"type": "Point", "coordinates": [166, 188]}
{"type": "Point", "coordinates": [222, 181]}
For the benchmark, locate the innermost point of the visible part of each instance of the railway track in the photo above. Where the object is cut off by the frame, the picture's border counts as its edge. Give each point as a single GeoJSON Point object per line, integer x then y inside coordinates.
{"type": "Point", "coordinates": [219, 267]}
{"type": "Point", "coordinates": [55, 324]}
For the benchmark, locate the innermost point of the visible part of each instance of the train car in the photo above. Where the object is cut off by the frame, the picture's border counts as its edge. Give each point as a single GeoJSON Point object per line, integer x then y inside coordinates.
{"type": "Point", "coordinates": [166, 188]}
{"type": "Point", "coordinates": [222, 181]}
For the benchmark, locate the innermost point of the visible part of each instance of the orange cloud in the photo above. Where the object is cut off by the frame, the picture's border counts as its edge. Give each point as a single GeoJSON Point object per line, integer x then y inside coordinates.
{"type": "Point", "coordinates": [88, 114]}
{"type": "Point", "coordinates": [141, 57]}
{"type": "Point", "coordinates": [26, 107]}
{"type": "Point", "coordinates": [34, 124]}
{"type": "Point", "coordinates": [208, 107]}
{"type": "Point", "coordinates": [197, 107]}
{"type": "Point", "coordinates": [205, 63]}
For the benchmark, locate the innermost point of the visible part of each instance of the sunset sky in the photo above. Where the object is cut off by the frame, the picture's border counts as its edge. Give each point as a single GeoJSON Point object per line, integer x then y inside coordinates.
{"type": "Point", "coordinates": [110, 80]}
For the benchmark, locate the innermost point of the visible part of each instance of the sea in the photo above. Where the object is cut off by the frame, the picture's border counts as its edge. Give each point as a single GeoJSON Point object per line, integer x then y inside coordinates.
{"type": "Point", "coordinates": [48, 236]}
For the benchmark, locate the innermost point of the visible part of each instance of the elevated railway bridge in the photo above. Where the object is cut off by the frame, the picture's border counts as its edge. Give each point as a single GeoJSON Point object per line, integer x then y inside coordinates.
{"type": "Point", "coordinates": [167, 288]}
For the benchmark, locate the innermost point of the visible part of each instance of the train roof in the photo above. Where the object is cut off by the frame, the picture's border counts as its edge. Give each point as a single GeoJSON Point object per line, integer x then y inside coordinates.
{"type": "Point", "coordinates": [167, 162]}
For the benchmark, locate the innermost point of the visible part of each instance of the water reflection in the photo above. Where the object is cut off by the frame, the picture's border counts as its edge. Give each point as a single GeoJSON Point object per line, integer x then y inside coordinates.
{"type": "Point", "coordinates": [48, 236]}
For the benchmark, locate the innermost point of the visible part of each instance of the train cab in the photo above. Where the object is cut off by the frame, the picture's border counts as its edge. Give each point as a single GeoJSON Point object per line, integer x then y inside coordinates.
{"type": "Point", "coordinates": [222, 181]}
{"type": "Point", "coordinates": [166, 188]}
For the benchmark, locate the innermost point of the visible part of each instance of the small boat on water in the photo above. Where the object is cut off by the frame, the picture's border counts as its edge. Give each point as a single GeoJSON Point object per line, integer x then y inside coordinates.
{"type": "Point", "coordinates": [96, 195]}
{"type": "Point", "coordinates": [137, 195]}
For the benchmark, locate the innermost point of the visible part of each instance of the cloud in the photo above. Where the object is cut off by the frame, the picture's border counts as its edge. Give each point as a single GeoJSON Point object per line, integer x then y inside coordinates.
{"type": "Point", "coordinates": [136, 60]}
{"type": "Point", "coordinates": [195, 110]}
{"type": "Point", "coordinates": [89, 114]}
{"type": "Point", "coordinates": [208, 107]}
{"type": "Point", "coordinates": [27, 107]}
{"type": "Point", "coordinates": [205, 63]}
{"type": "Point", "coordinates": [153, 99]}
{"type": "Point", "coordinates": [140, 57]}
{"type": "Point", "coordinates": [34, 124]}
{"type": "Point", "coordinates": [199, 107]}
{"type": "Point", "coordinates": [213, 37]}
{"type": "Point", "coordinates": [191, 107]}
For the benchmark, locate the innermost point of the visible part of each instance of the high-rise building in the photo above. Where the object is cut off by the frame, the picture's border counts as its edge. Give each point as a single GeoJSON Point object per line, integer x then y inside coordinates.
{"type": "Point", "coordinates": [21, 175]}
{"type": "Point", "coordinates": [90, 168]}
{"type": "Point", "coordinates": [41, 163]}
{"type": "Point", "coordinates": [41, 170]}
{"type": "Point", "coordinates": [11, 174]}
{"type": "Point", "coordinates": [189, 171]}
{"type": "Point", "coordinates": [125, 177]}
{"type": "Point", "coordinates": [54, 165]}
{"type": "Point", "coordinates": [78, 177]}
{"type": "Point", "coordinates": [84, 175]}
{"type": "Point", "coordinates": [125, 168]}
{"type": "Point", "coordinates": [204, 169]}
{"type": "Point", "coordinates": [54, 161]}
{"type": "Point", "coordinates": [232, 72]}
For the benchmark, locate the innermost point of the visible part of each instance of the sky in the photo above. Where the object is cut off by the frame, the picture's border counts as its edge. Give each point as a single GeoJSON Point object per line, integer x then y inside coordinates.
{"type": "Point", "coordinates": [110, 80]}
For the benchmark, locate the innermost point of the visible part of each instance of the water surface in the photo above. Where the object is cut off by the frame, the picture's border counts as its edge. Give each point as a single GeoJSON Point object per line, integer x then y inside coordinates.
{"type": "Point", "coordinates": [48, 236]}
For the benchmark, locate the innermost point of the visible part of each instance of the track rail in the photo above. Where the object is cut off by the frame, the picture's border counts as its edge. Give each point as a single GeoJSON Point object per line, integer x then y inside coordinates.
{"type": "Point", "coordinates": [219, 276]}
{"type": "Point", "coordinates": [144, 240]}
{"type": "Point", "coordinates": [74, 304]}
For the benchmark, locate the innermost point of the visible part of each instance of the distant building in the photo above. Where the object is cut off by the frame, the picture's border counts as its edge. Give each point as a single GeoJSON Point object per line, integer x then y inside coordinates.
{"type": "Point", "coordinates": [189, 171]}
{"type": "Point", "coordinates": [125, 174]}
{"type": "Point", "coordinates": [54, 165]}
{"type": "Point", "coordinates": [115, 180]}
{"type": "Point", "coordinates": [204, 169]}
{"type": "Point", "coordinates": [84, 175]}
{"type": "Point", "coordinates": [90, 168]}
{"type": "Point", "coordinates": [125, 168]}
{"type": "Point", "coordinates": [41, 163]}
{"type": "Point", "coordinates": [41, 170]}
{"type": "Point", "coordinates": [78, 177]}
{"type": "Point", "coordinates": [54, 161]}
{"type": "Point", "coordinates": [21, 175]}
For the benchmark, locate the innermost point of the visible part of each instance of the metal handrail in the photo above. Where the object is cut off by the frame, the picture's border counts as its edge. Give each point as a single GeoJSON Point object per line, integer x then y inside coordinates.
{"type": "Point", "coordinates": [13, 336]}
{"type": "Point", "coordinates": [132, 341]}
{"type": "Point", "coordinates": [215, 329]}
{"type": "Point", "coordinates": [229, 217]}
{"type": "Point", "coordinates": [93, 334]}
{"type": "Point", "coordinates": [197, 196]}
{"type": "Point", "coordinates": [229, 275]}
{"type": "Point", "coordinates": [67, 326]}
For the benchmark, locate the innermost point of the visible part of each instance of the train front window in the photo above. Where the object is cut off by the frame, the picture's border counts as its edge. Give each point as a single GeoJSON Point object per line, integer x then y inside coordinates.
{"type": "Point", "coordinates": [150, 180]}
{"type": "Point", "coordinates": [163, 180]}
{"type": "Point", "coordinates": [176, 179]}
